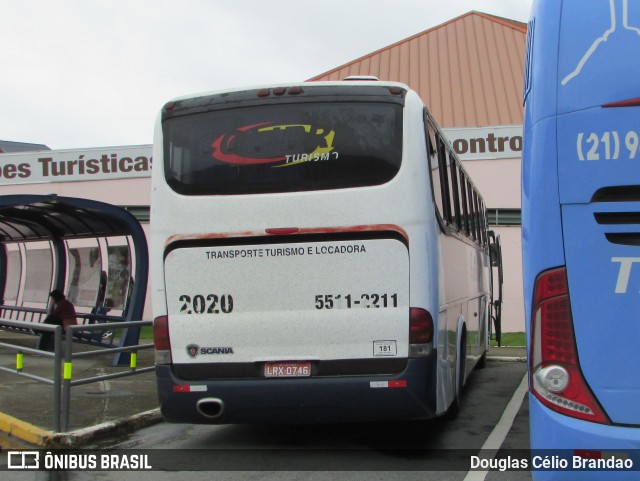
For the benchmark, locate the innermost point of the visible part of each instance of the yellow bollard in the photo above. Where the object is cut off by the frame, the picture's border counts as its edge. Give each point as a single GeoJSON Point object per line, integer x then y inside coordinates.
{"type": "Point", "coordinates": [67, 371]}
{"type": "Point", "coordinates": [19, 361]}
{"type": "Point", "coordinates": [134, 361]}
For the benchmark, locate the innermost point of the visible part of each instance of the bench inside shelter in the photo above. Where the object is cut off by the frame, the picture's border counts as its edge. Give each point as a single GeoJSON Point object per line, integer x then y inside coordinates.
{"type": "Point", "coordinates": [37, 316]}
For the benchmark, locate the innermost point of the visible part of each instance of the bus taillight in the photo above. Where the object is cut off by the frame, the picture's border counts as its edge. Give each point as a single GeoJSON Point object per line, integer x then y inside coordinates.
{"type": "Point", "coordinates": [161, 341]}
{"type": "Point", "coordinates": [420, 326]}
{"type": "Point", "coordinates": [556, 378]}
{"type": "Point", "coordinates": [420, 332]}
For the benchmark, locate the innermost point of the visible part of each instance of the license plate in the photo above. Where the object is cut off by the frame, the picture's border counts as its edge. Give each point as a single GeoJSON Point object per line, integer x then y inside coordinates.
{"type": "Point", "coordinates": [287, 369]}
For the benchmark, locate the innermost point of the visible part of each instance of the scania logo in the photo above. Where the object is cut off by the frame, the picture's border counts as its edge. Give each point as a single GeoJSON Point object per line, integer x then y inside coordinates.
{"type": "Point", "coordinates": [216, 350]}
{"type": "Point", "coordinates": [193, 349]}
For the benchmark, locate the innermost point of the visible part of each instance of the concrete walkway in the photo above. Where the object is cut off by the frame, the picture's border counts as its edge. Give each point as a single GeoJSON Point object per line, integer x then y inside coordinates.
{"type": "Point", "coordinates": [508, 353]}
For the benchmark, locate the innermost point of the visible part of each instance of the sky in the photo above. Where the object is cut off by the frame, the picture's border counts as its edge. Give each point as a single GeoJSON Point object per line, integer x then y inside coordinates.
{"type": "Point", "coordinates": [94, 73]}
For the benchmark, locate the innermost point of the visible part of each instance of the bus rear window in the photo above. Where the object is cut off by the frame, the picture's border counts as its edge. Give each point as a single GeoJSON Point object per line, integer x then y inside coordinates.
{"type": "Point", "coordinates": [283, 148]}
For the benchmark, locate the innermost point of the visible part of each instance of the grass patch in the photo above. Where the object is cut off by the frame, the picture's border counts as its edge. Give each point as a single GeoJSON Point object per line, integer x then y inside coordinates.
{"type": "Point", "coordinates": [146, 332]}
{"type": "Point", "coordinates": [512, 339]}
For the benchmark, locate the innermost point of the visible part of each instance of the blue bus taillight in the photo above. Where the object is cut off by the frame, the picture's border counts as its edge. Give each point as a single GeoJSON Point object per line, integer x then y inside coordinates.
{"type": "Point", "coordinates": [556, 379]}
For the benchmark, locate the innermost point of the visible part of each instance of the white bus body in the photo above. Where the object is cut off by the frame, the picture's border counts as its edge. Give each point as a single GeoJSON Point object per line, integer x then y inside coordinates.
{"type": "Point", "coordinates": [292, 300]}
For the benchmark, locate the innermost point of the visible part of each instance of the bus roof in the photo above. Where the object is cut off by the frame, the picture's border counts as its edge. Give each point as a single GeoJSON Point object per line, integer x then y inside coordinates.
{"type": "Point", "coordinates": [287, 85]}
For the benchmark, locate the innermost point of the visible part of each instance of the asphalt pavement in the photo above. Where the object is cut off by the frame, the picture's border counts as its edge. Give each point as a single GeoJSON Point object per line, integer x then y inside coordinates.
{"type": "Point", "coordinates": [104, 408]}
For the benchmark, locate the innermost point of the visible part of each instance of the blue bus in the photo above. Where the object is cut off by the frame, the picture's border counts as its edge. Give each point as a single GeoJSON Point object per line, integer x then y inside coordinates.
{"type": "Point", "coordinates": [581, 231]}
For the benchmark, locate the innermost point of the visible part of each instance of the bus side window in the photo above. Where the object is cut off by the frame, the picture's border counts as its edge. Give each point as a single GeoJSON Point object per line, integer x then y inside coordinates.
{"type": "Point", "coordinates": [444, 179]}
{"type": "Point", "coordinates": [435, 168]}
{"type": "Point", "coordinates": [483, 223]}
{"type": "Point", "coordinates": [476, 209]}
{"type": "Point", "coordinates": [473, 227]}
{"type": "Point", "coordinates": [459, 199]}
{"type": "Point", "coordinates": [455, 192]}
{"type": "Point", "coordinates": [462, 178]}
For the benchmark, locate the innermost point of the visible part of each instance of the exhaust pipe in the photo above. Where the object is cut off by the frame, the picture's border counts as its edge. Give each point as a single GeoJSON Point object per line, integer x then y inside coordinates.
{"type": "Point", "coordinates": [210, 408]}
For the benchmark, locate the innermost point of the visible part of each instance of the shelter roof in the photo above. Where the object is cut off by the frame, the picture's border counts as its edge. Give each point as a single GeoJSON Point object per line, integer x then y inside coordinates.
{"type": "Point", "coordinates": [38, 217]}
{"type": "Point", "coordinates": [6, 146]}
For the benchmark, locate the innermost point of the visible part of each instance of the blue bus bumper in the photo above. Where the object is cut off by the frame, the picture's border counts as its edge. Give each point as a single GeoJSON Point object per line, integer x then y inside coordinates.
{"type": "Point", "coordinates": [408, 395]}
{"type": "Point", "coordinates": [555, 435]}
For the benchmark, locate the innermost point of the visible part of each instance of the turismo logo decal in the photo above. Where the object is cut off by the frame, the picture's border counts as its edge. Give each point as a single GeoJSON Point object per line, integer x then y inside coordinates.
{"type": "Point", "coordinates": [281, 145]}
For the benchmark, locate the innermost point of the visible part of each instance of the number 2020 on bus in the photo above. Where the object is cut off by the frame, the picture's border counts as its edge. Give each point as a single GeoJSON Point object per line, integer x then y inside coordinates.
{"type": "Point", "coordinates": [208, 303]}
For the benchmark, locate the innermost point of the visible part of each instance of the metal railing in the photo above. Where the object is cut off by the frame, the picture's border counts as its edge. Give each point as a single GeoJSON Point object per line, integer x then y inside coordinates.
{"type": "Point", "coordinates": [63, 357]}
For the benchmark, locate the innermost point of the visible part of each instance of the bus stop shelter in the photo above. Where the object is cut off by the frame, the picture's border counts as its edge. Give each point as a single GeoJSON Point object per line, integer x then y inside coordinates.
{"type": "Point", "coordinates": [94, 252]}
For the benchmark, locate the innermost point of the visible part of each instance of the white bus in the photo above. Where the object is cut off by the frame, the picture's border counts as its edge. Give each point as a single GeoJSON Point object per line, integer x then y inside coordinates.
{"type": "Point", "coordinates": [309, 265]}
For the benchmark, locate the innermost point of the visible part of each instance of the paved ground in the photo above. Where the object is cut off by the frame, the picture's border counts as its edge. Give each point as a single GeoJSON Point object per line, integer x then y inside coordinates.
{"type": "Point", "coordinates": [98, 409]}
{"type": "Point", "coordinates": [26, 406]}
{"type": "Point", "coordinates": [438, 450]}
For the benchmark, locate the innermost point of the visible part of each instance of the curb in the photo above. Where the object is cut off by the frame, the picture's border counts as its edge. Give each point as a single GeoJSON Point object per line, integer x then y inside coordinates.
{"type": "Point", "coordinates": [506, 359]}
{"type": "Point", "coordinates": [40, 438]}
{"type": "Point", "coordinates": [111, 428]}
{"type": "Point", "coordinates": [28, 433]}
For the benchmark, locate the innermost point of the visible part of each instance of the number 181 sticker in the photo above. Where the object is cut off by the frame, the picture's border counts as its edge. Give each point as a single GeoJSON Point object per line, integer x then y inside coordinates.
{"type": "Point", "coordinates": [385, 348]}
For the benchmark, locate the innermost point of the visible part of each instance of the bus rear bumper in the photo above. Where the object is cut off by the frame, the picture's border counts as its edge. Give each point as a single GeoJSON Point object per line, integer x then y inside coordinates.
{"type": "Point", "coordinates": [553, 434]}
{"type": "Point", "coordinates": [408, 395]}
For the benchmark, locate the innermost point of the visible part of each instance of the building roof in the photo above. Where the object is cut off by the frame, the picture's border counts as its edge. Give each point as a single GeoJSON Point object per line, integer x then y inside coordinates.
{"type": "Point", "coordinates": [469, 71]}
{"type": "Point", "coordinates": [7, 147]}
